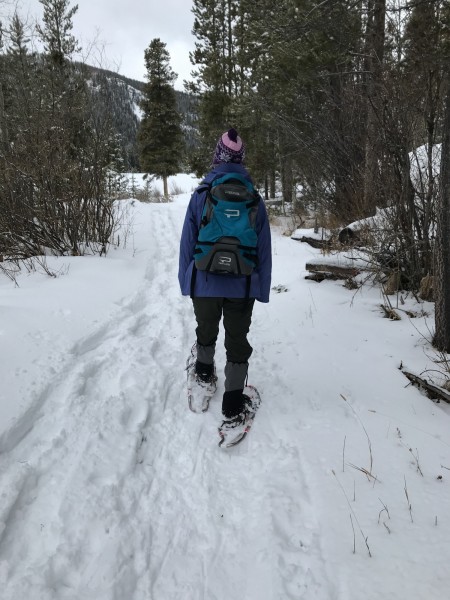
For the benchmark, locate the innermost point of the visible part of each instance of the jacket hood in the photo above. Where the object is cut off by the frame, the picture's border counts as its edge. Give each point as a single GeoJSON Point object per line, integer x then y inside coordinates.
{"type": "Point", "coordinates": [223, 168]}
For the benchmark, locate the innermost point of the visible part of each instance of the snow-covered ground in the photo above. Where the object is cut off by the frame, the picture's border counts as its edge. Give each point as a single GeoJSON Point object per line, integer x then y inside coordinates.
{"type": "Point", "coordinates": [111, 489]}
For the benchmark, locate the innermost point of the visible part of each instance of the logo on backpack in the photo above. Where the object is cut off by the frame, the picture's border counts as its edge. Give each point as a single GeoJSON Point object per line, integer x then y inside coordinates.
{"type": "Point", "coordinates": [227, 239]}
{"type": "Point", "coordinates": [232, 213]}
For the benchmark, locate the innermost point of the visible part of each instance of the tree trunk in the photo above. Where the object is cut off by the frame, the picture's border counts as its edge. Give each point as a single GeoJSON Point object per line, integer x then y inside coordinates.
{"type": "Point", "coordinates": [4, 138]}
{"type": "Point", "coordinates": [272, 184]}
{"type": "Point", "coordinates": [166, 188]}
{"type": "Point", "coordinates": [442, 253]}
{"type": "Point", "coordinates": [266, 187]}
{"type": "Point", "coordinates": [375, 54]}
{"type": "Point", "coordinates": [286, 171]}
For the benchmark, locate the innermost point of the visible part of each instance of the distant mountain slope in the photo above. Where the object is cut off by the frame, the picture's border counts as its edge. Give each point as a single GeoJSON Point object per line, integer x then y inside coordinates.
{"type": "Point", "coordinates": [122, 95]}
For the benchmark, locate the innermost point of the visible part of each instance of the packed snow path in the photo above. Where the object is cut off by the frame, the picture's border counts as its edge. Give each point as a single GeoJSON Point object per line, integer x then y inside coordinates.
{"type": "Point", "coordinates": [113, 490]}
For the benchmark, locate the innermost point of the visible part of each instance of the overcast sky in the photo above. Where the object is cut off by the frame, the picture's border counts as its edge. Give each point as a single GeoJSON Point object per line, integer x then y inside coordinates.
{"type": "Point", "coordinates": [123, 29]}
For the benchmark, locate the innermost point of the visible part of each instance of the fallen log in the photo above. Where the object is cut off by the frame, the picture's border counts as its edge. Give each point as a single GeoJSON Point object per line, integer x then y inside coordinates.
{"type": "Point", "coordinates": [321, 276]}
{"type": "Point", "coordinates": [433, 392]}
{"type": "Point", "coordinates": [339, 271]}
{"type": "Point", "coordinates": [315, 243]}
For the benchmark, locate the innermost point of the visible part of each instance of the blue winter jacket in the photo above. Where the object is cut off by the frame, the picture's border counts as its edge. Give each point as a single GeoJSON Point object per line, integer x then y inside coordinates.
{"type": "Point", "coordinates": [224, 286]}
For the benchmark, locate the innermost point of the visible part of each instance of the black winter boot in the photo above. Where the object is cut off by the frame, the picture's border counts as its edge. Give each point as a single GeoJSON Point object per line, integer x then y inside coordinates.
{"type": "Point", "coordinates": [233, 403]}
{"type": "Point", "coordinates": [206, 373]}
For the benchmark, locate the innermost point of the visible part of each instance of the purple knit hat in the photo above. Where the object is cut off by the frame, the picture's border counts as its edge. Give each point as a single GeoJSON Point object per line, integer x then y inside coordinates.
{"type": "Point", "coordinates": [230, 148]}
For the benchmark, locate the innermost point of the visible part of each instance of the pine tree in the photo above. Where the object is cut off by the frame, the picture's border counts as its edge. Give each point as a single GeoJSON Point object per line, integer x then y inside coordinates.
{"type": "Point", "coordinates": [55, 32]}
{"type": "Point", "coordinates": [300, 54]}
{"type": "Point", "coordinates": [160, 136]}
{"type": "Point", "coordinates": [213, 76]}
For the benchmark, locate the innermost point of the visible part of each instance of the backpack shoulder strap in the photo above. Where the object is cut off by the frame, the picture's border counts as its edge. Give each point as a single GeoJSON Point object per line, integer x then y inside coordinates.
{"type": "Point", "coordinates": [207, 209]}
{"type": "Point", "coordinates": [204, 186]}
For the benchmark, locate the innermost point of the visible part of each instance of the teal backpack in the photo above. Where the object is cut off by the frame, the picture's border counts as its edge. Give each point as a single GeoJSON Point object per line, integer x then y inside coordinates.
{"type": "Point", "coordinates": [227, 240]}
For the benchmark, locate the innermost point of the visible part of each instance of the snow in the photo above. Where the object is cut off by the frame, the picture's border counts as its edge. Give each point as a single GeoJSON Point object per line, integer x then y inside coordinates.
{"type": "Point", "coordinates": [321, 234]}
{"type": "Point", "coordinates": [113, 490]}
{"type": "Point", "coordinates": [419, 165]}
{"type": "Point", "coordinates": [380, 221]}
{"type": "Point", "coordinates": [186, 182]}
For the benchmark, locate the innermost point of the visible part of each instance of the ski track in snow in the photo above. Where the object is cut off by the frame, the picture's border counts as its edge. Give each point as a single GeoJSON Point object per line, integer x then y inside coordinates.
{"type": "Point", "coordinates": [117, 492]}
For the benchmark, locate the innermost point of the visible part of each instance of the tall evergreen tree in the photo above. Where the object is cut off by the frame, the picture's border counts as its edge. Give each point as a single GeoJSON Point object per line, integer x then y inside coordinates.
{"type": "Point", "coordinates": [160, 136]}
{"type": "Point", "coordinates": [59, 43]}
{"type": "Point", "coordinates": [213, 77]}
{"type": "Point", "coordinates": [301, 54]}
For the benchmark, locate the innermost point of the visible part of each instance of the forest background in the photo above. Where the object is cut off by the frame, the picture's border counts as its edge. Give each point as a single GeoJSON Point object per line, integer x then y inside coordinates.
{"type": "Point", "coordinates": [333, 98]}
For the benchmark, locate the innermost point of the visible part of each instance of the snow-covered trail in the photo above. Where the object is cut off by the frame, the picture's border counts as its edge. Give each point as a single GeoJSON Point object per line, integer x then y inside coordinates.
{"type": "Point", "coordinates": [119, 492]}
{"type": "Point", "coordinates": [113, 490]}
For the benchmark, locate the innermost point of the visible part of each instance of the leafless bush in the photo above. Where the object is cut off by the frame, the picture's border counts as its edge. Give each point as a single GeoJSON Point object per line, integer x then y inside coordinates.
{"type": "Point", "coordinates": [175, 189]}
{"type": "Point", "coordinates": [10, 270]}
{"type": "Point", "coordinates": [56, 151]}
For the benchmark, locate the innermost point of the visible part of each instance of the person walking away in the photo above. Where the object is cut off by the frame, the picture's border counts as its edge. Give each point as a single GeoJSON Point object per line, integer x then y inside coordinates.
{"type": "Point", "coordinates": [225, 284]}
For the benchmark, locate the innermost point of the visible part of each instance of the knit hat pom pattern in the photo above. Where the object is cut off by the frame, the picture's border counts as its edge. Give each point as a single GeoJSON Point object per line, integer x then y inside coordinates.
{"type": "Point", "coordinates": [230, 148]}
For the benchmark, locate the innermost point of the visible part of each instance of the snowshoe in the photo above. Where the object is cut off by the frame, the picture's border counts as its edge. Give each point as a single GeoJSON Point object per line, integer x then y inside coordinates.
{"type": "Point", "coordinates": [201, 383]}
{"type": "Point", "coordinates": [235, 429]}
